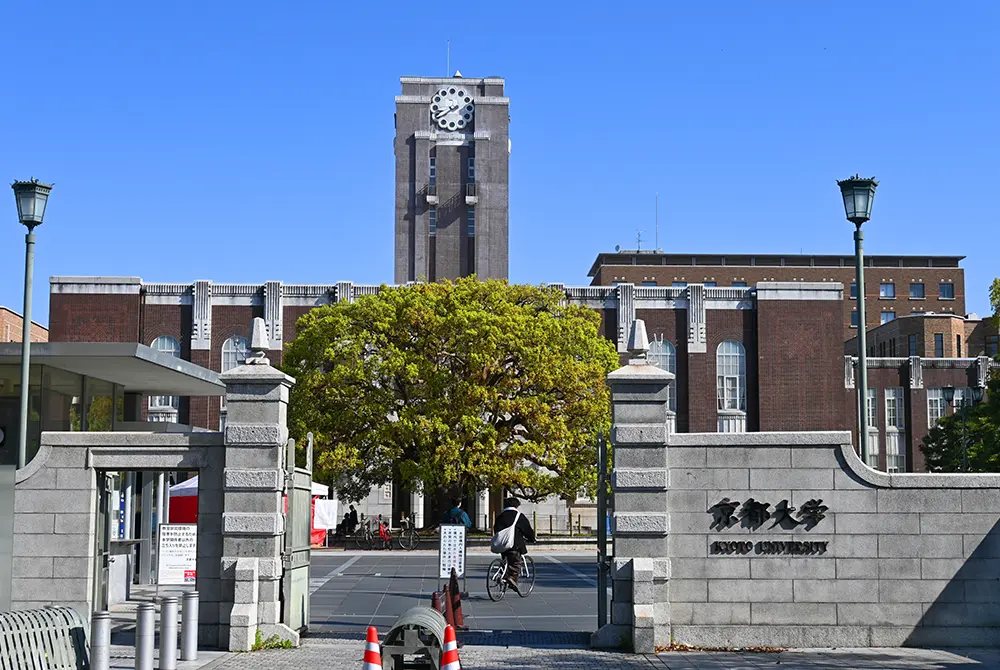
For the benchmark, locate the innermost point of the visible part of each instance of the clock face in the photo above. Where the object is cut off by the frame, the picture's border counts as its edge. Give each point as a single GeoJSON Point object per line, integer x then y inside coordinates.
{"type": "Point", "coordinates": [452, 108]}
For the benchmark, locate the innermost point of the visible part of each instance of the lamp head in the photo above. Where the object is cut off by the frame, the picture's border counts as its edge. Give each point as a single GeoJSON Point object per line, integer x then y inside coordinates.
{"type": "Point", "coordinates": [32, 196]}
{"type": "Point", "coordinates": [858, 194]}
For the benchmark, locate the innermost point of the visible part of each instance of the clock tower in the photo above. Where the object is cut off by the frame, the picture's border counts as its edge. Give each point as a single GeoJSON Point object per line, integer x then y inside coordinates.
{"type": "Point", "coordinates": [452, 148]}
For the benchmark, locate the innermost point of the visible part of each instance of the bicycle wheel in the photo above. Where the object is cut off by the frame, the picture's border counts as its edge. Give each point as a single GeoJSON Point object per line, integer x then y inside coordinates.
{"type": "Point", "coordinates": [409, 540]}
{"type": "Point", "coordinates": [361, 539]}
{"type": "Point", "coordinates": [526, 584]}
{"type": "Point", "coordinates": [496, 585]}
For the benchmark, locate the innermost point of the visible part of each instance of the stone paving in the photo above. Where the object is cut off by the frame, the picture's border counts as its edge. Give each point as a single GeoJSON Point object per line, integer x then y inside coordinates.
{"type": "Point", "coordinates": [336, 654]}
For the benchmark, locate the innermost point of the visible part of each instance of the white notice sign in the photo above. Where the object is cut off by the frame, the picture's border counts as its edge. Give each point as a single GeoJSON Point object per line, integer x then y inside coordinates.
{"type": "Point", "coordinates": [176, 553]}
{"type": "Point", "coordinates": [452, 551]}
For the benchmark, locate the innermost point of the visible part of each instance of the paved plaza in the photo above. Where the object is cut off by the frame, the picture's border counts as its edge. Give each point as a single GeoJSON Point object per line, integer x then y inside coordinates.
{"type": "Point", "coordinates": [353, 590]}
{"type": "Point", "coordinates": [321, 653]}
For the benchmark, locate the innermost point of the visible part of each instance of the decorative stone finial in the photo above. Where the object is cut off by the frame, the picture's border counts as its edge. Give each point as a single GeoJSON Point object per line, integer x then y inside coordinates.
{"type": "Point", "coordinates": [638, 343]}
{"type": "Point", "coordinates": [259, 344]}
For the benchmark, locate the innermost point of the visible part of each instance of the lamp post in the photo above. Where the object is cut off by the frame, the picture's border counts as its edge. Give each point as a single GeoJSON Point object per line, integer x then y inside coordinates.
{"type": "Point", "coordinates": [32, 197]}
{"type": "Point", "coordinates": [858, 195]}
{"type": "Point", "coordinates": [949, 397]}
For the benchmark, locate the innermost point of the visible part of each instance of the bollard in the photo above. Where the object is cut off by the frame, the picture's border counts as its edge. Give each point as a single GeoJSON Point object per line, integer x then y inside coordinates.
{"type": "Point", "coordinates": [189, 627]}
{"type": "Point", "coordinates": [550, 524]}
{"type": "Point", "coordinates": [579, 524]}
{"type": "Point", "coordinates": [436, 601]}
{"type": "Point", "coordinates": [534, 519]}
{"type": "Point", "coordinates": [145, 629]}
{"type": "Point", "coordinates": [100, 641]}
{"type": "Point", "coordinates": [168, 633]}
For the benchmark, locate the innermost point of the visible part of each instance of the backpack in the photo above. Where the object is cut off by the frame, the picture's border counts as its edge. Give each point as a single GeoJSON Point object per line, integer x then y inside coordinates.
{"type": "Point", "coordinates": [504, 539]}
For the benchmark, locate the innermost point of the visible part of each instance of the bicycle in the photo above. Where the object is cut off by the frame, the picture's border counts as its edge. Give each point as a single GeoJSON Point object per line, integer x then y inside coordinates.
{"type": "Point", "coordinates": [363, 536]}
{"type": "Point", "coordinates": [496, 582]}
{"type": "Point", "coordinates": [384, 535]}
{"type": "Point", "coordinates": [408, 538]}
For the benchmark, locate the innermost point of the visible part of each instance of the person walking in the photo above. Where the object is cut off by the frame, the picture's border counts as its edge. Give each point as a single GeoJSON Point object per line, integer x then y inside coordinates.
{"type": "Point", "coordinates": [523, 533]}
{"type": "Point", "coordinates": [457, 515]}
{"type": "Point", "coordinates": [353, 520]}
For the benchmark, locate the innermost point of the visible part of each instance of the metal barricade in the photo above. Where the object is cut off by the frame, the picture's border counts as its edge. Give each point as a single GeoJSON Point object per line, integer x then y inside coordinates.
{"type": "Point", "coordinates": [54, 638]}
{"type": "Point", "coordinates": [417, 632]}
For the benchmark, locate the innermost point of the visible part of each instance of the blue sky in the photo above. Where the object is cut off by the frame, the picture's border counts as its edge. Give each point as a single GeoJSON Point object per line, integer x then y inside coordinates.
{"type": "Point", "coordinates": [241, 142]}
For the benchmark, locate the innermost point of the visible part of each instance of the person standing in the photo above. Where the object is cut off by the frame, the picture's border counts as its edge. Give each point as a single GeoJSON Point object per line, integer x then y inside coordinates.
{"type": "Point", "coordinates": [457, 515]}
{"type": "Point", "coordinates": [354, 519]}
{"type": "Point", "coordinates": [523, 533]}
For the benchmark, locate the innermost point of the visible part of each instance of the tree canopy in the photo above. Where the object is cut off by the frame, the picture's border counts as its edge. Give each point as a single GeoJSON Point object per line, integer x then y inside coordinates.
{"type": "Point", "coordinates": [453, 384]}
{"type": "Point", "coordinates": [942, 445]}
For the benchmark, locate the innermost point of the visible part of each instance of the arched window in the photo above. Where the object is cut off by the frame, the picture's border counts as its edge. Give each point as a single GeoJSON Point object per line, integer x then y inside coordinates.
{"type": "Point", "coordinates": [165, 406]}
{"type": "Point", "coordinates": [234, 352]}
{"type": "Point", "coordinates": [731, 373]}
{"type": "Point", "coordinates": [663, 355]}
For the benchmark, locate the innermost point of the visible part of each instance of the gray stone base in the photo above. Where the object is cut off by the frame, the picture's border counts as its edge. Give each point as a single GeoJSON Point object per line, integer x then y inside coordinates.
{"type": "Point", "coordinates": [283, 632]}
{"type": "Point", "coordinates": [612, 636]}
{"type": "Point", "coordinates": [798, 637]}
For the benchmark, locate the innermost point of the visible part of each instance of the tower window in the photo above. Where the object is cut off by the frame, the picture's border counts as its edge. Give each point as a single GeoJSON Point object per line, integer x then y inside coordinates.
{"type": "Point", "coordinates": [432, 177]}
{"type": "Point", "coordinates": [432, 220]}
{"type": "Point", "coordinates": [472, 169]}
{"type": "Point", "coordinates": [472, 222]}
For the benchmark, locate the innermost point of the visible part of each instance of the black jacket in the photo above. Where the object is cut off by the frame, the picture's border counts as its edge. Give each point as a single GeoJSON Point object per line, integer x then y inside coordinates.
{"type": "Point", "coordinates": [522, 532]}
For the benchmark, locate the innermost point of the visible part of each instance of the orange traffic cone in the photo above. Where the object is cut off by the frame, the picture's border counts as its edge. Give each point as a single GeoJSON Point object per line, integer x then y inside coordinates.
{"type": "Point", "coordinates": [373, 654]}
{"type": "Point", "coordinates": [449, 656]}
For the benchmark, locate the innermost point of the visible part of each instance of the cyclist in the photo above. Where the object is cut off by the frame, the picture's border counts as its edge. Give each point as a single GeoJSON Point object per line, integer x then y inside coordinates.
{"type": "Point", "coordinates": [523, 533]}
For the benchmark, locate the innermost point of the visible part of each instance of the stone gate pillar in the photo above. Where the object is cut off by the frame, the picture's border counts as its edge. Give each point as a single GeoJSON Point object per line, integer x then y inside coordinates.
{"type": "Point", "coordinates": [640, 524]}
{"type": "Point", "coordinates": [253, 521]}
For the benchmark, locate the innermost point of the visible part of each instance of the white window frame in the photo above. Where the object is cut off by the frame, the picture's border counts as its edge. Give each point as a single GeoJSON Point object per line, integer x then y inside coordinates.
{"type": "Point", "coordinates": [663, 354]}
{"type": "Point", "coordinates": [872, 427]}
{"type": "Point", "coordinates": [895, 430]}
{"type": "Point", "coordinates": [234, 353]}
{"type": "Point", "coordinates": [731, 386]}
{"type": "Point", "coordinates": [936, 406]}
{"type": "Point", "coordinates": [163, 408]}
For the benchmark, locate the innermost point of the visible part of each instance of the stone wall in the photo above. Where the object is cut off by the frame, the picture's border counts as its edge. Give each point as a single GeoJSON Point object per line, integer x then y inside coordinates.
{"type": "Point", "coordinates": [841, 555]}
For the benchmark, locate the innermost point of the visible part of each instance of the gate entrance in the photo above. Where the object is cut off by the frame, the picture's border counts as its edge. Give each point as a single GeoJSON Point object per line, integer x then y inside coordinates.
{"type": "Point", "coordinates": [295, 556]}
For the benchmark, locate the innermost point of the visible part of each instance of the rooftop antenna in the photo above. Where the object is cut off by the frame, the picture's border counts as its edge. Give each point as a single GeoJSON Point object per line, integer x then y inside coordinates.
{"type": "Point", "coordinates": [447, 67]}
{"type": "Point", "coordinates": [638, 240]}
{"type": "Point", "coordinates": [656, 245]}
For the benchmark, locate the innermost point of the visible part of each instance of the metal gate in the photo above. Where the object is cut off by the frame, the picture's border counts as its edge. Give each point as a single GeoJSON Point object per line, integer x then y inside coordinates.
{"type": "Point", "coordinates": [298, 527]}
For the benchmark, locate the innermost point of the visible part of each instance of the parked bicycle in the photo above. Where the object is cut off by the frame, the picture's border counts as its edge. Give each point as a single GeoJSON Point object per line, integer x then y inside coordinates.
{"type": "Point", "coordinates": [408, 538]}
{"type": "Point", "coordinates": [496, 578]}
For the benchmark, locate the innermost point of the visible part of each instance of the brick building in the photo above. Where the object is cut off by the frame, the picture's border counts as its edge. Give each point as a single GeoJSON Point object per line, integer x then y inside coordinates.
{"type": "Point", "coordinates": [720, 342]}
{"type": "Point", "coordinates": [12, 325]}
{"type": "Point", "coordinates": [756, 358]}
{"type": "Point", "coordinates": [895, 285]}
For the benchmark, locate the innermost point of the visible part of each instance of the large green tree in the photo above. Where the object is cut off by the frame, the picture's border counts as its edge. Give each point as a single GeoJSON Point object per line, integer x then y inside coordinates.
{"type": "Point", "coordinates": [452, 385]}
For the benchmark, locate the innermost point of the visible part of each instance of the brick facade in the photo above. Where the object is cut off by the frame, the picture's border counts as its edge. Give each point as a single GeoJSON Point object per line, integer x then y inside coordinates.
{"type": "Point", "coordinates": [12, 325]}
{"type": "Point", "coordinates": [796, 377]}
{"type": "Point", "coordinates": [660, 269]}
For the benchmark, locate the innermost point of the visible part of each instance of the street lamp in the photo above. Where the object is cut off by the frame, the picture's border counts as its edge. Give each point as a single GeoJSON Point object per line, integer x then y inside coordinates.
{"type": "Point", "coordinates": [32, 197]}
{"type": "Point", "coordinates": [949, 397]}
{"type": "Point", "coordinates": [858, 195]}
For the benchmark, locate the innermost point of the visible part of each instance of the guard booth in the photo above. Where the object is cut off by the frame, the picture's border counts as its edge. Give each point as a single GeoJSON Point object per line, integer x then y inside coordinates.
{"type": "Point", "coordinates": [91, 502]}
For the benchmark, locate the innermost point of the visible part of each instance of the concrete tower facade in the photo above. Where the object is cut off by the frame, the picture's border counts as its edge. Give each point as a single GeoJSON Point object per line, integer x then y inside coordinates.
{"type": "Point", "coordinates": [452, 148]}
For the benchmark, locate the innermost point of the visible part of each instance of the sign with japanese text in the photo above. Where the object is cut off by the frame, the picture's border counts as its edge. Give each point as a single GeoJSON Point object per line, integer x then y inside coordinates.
{"type": "Point", "coordinates": [451, 553]}
{"type": "Point", "coordinates": [176, 553]}
{"type": "Point", "coordinates": [756, 514]}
